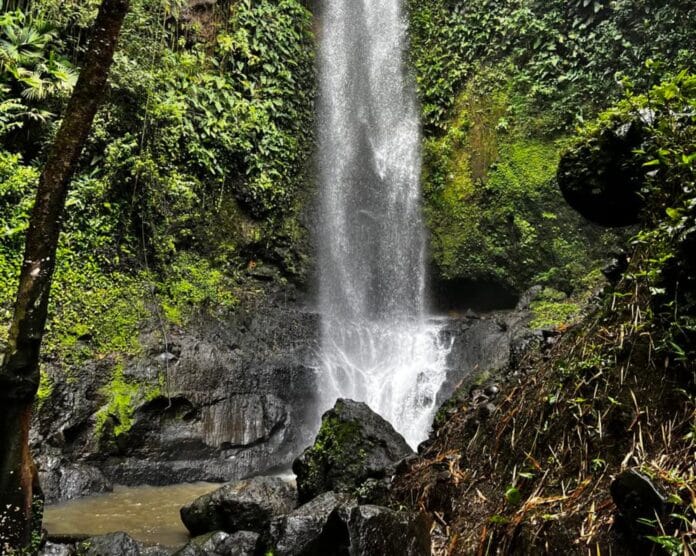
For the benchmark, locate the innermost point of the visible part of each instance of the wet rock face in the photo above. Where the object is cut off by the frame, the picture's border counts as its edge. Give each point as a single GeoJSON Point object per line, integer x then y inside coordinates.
{"type": "Point", "coordinates": [484, 346]}
{"type": "Point", "coordinates": [601, 178]}
{"type": "Point", "coordinates": [243, 506]}
{"type": "Point", "coordinates": [307, 529]}
{"type": "Point", "coordinates": [219, 543]}
{"type": "Point", "coordinates": [241, 401]}
{"type": "Point", "coordinates": [378, 530]}
{"type": "Point", "coordinates": [354, 444]}
{"type": "Point", "coordinates": [69, 481]}
{"type": "Point", "coordinates": [109, 545]}
{"type": "Point", "coordinates": [334, 524]}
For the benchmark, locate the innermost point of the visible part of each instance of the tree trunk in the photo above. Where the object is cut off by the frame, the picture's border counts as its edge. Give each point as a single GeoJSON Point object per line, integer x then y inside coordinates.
{"type": "Point", "coordinates": [19, 373]}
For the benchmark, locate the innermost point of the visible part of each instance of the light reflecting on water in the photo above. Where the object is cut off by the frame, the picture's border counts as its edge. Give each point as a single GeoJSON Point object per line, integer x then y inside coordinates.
{"type": "Point", "coordinates": [148, 514]}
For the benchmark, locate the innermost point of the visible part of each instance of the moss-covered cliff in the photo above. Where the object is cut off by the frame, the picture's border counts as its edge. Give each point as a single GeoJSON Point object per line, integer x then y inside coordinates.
{"type": "Point", "coordinates": [502, 86]}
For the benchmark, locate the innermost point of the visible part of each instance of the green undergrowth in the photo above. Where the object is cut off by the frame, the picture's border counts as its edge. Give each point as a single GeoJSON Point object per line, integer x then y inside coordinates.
{"type": "Point", "coordinates": [99, 309]}
{"type": "Point", "coordinates": [332, 446]}
{"type": "Point", "coordinates": [552, 309]}
{"type": "Point", "coordinates": [196, 167]}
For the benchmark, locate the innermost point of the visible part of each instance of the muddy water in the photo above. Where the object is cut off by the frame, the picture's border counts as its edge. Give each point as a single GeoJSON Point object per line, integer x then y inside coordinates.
{"type": "Point", "coordinates": [148, 514]}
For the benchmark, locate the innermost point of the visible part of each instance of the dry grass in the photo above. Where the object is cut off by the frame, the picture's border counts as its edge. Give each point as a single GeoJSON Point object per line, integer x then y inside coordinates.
{"type": "Point", "coordinates": [535, 476]}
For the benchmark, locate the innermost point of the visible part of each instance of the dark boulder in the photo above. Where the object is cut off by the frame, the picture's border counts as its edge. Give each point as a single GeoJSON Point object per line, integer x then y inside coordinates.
{"type": "Point", "coordinates": [241, 543]}
{"type": "Point", "coordinates": [636, 498]}
{"type": "Point", "coordinates": [354, 444]}
{"type": "Point", "coordinates": [333, 524]}
{"type": "Point", "coordinates": [113, 544]}
{"type": "Point", "coordinates": [247, 505]}
{"type": "Point", "coordinates": [313, 529]}
{"type": "Point", "coordinates": [76, 480]}
{"type": "Point", "coordinates": [378, 530]}
{"type": "Point", "coordinates": [219, 543]}
{"type": "Point", "coordinates": [601, 177]}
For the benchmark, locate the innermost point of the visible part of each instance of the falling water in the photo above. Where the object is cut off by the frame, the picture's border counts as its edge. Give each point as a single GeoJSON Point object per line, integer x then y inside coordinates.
{"type": "Point", "coordinates": [377, 343]}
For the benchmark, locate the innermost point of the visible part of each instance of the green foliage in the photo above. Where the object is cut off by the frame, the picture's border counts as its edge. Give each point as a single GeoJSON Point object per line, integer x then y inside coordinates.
{"type": "Point", "coordinates": [513, 496]}
{"type": "Point", "coordinates": [33, 70]}
{"type": "Point", "coordinates": [199, 135]}
{"type": "Point", "coordinates": [194, 167]}
{"type": "Point", "coordinates": [502, 85]}
{"type": "Point", "coordinates": [16, 183]}
{"type": "Point", "coordinates": [666, 114]}
{"type": "Point", "coordinates": [565, 54]}
{"type": "Point", "coordinates": [671, 545]}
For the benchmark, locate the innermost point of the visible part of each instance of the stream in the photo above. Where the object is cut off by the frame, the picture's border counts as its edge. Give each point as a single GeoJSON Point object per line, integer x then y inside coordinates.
{"type": "Point", "coordinates": [148, 514]}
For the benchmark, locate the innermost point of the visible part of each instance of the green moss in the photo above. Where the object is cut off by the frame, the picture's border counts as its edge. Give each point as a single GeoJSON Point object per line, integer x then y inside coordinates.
{"type": "Point", "coordinates": [491, 201]}
{"type": "Point", "coordinates": [123, 397]}
{"type": "Point", "coordinates": [552, 309]}
{"type": "Point", "coordinates": [334, 440]}
{"type": "Point", "coordinates": [193, 284]}
{"type": "Point", "coordinates": [45, 388]}
{"type": "Point", "coordinates": [92, 313]}
{"type": "Point", "coordinates": [334, 449]}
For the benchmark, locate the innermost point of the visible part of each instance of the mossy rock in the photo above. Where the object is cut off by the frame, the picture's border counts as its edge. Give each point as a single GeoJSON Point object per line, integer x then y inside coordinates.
{"type": "Point", "coordinates": [354, 444]}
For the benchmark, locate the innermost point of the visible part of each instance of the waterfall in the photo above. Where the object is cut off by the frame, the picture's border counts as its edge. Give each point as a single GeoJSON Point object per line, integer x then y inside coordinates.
{"type": "Point", "coordinates": [377, 344]}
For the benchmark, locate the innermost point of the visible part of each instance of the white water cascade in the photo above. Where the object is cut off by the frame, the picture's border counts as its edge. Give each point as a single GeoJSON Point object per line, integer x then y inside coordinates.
{"type": "Point", "coordinates": [377, 345]}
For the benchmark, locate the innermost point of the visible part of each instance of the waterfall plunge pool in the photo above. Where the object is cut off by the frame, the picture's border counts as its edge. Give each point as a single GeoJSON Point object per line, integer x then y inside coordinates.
{"type": "Point", "coordinates": [148, 514]}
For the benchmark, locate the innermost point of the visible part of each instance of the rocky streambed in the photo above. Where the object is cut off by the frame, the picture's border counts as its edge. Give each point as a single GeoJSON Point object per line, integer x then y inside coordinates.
{"type": "Point", "coordinates": [237, 399]}
{"type": "Point", "coordinates": [336, 507]}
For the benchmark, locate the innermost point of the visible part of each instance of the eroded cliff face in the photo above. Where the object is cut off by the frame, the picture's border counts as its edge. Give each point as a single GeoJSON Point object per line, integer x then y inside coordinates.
{"type": "Point", "coordinates": [223, 398]}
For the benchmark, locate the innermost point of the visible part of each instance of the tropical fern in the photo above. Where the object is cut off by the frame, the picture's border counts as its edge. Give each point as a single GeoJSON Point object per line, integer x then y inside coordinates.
{"type": "Point", "coordinates": [31, 71]}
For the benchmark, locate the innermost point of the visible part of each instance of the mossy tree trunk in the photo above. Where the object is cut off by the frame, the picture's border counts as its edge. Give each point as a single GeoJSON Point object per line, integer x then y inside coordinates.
{"type": "Point", "coordinates": [19, 373]}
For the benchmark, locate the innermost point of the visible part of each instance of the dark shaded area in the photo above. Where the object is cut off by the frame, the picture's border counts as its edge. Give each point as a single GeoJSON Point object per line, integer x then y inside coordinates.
{"type": "Point", "coordinates": [638, 503]}
{"type": "Point", "coordinates": [600, 178]}
{"type": "Point", "coordinates": [460, 295]}
{"type": "Point", "coordinates": [334, 539]}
